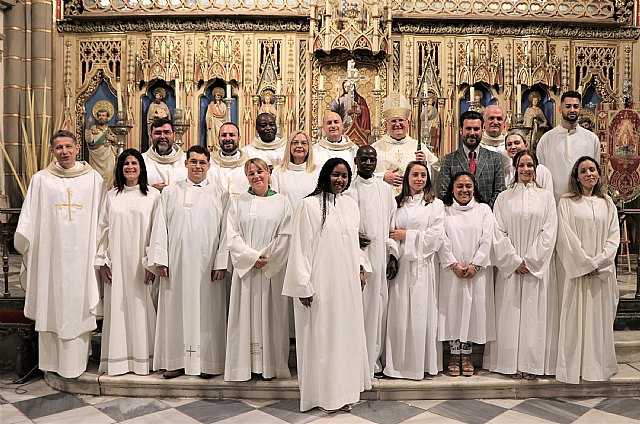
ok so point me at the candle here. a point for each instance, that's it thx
(321, 82)
(228, 91)
(278, 86)
(518, 98)
(425, 87)
(119, 94)
(376, 83)
(177, 93)
(472, 94)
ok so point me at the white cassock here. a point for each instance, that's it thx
(56, 235)
(228, 172)
(258, 328)
(526, 305)
(168, 169)
(189, 236)
(325, 150)
(272, 153)
(295, 182)
(396, 154)
(377, 204)
(558, 150)
(129, 325)
(412, 348)
(588, 239)
(543, 177)
(330, 338)
(466, 308)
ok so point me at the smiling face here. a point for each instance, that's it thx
(463, 189)
(514, 144)
(570, 110)
(197, 166)
(338, 179)
(65, 150)
(299, 149)
(266, 127)
(366, 161)
(333, 127)
(131, 170)
(418, 178)
(258, 179)
(397, 127)
(526, 169)
(494, 121)
(588, 176)
(162, 138)
(228, 139)
(471, 133)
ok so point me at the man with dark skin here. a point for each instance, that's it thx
(267, 145)
(376, 202)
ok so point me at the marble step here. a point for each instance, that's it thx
(483, 385)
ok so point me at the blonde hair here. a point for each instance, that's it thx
(286, 160)
(260, 164)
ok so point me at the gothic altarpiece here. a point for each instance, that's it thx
(237, 59)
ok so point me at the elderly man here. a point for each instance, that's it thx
(396, 149)
(266, 146)
(334, 144)
(559, 148)
(494, 133)
(164, 160)
(228, 161)
(56, 235)
(484, 164)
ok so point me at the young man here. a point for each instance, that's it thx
(228, 166)
(188, 251)
(559, 148)
(56, 235)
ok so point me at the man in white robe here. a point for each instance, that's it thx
(56, 235)
(376, 202)
(334, 144)
(188, 251)
(164, 160)
(228, 161)
(559, 148)
(494, 134)
(396, 148)
(266, 146)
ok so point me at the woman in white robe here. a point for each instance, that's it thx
(325, 280)
(588, 239)
(526, 295)
(466, 311)
(411, 347)
(258, 231)
(124, 228)
(515, 141)
(297, 176)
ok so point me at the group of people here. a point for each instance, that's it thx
(382, 253)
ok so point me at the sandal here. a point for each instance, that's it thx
(467, 366)
(454, 365)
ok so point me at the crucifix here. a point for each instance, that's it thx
(69, 205)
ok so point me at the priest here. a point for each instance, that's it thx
(56, 235)
(188, 251)
(376, 202)
(267, 145)
(164, 160)
(334, 144)
(228, 161)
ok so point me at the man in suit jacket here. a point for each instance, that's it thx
(472, 157)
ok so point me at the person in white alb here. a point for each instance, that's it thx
(267, 145)
(559, 148)
(164, 160)
(228, 161)
(516, 141)
(334, 144)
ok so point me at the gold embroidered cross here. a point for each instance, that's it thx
(190, 351)
(69, 205)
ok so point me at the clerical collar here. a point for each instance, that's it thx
(174, 156)
(492, 141)
(234, 161)
(275, 144)
(270, 192)
(344, 143)
(396, 140)
(80, 168)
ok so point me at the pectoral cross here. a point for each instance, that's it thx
(69, 205)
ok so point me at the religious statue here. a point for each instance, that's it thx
(267, 103)
(534, 119)
(477, 97)
(100, 139)
(342, 106)
(431, 122)
(158, 108)
(215, 117)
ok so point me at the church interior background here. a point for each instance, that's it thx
(207, 61)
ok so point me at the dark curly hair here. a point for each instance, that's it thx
(324, 182)
(447, 199)
(119, 171)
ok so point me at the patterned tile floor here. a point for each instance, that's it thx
(36, 402)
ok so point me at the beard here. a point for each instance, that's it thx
(570, 119)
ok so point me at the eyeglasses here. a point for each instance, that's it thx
(299, 143)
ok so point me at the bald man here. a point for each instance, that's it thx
(334, 144)
(494, 133)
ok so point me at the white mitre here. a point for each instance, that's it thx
(396, 106)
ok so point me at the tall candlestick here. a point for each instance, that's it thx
(321, 82)
(119, 94)
(376, 83)
(278, 86)
(177, 93)
(472, 94)
(228, 91)
(518, 98)
(425, 87)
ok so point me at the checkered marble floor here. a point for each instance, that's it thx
(36, 402)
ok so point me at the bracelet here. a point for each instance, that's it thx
(477, 268)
